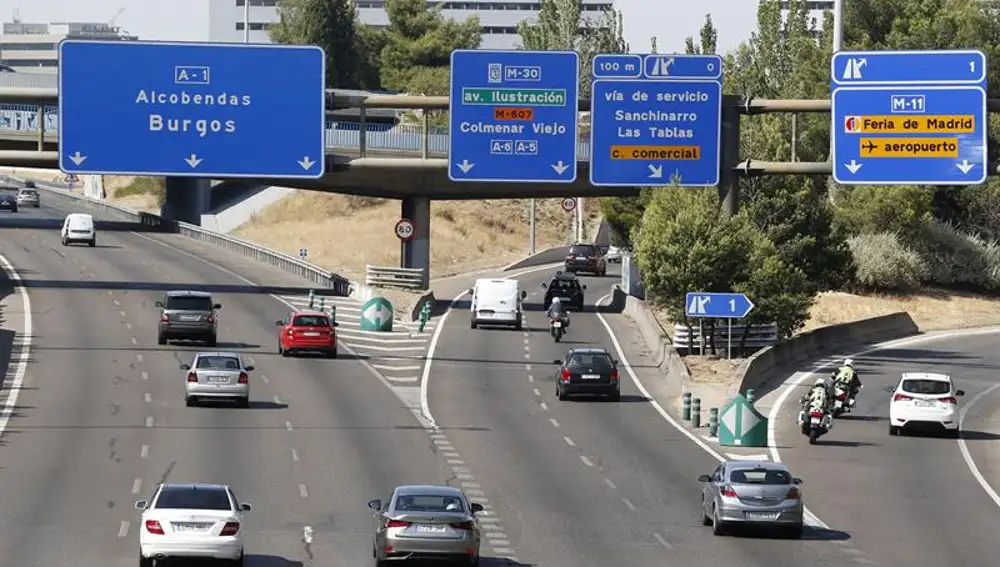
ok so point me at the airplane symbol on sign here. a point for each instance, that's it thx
(870, 147)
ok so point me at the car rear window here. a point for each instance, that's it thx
(310, 321)
(429, 503)
(598, 361)
(760, 476)
(193, 499)
(932, 387)
(582, 250)
(218, 362)
(189, 303)
(564, 284)
(29, 192)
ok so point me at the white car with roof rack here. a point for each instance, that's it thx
(924, 400)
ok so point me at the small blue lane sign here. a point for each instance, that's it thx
(909, 118)
(513, 116)
(655, 119)
(192, 109)
(717, 305)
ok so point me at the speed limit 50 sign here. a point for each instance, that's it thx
(404, 229)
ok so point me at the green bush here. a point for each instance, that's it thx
(883, 262)
(868, 209)
(959, 260)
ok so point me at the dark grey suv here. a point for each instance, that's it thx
(187, 316)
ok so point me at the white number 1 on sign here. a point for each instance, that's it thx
(732, 305)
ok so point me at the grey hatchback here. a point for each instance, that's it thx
(752, 493)
(187, 316)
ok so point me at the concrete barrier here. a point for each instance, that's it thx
(824, 341)
(665, 356)
(550, 256)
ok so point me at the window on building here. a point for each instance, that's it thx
(242, 3)
(28, 47)
(254, 26)
(31, 62)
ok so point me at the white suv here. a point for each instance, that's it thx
(191, 520)
(924, 400)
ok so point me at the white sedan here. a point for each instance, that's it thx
(924, 400)
(191, 521)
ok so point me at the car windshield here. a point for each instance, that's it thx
(189, 303)
(218, 362)
(760, 476)
(594, 361)
(310, 321)
(933, 387)
(429, 503)
(178, 498)
(582, 250)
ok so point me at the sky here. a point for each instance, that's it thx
(187, 20)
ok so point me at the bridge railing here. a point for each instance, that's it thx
(402, 278)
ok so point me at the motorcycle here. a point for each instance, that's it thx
(556, 328)
(843, 401)
(815, 424)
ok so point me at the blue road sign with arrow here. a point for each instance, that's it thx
(909, 118)
(717, 305)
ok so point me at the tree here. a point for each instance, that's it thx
(560, 28)
(623, 214)
(416, 55)
(782, 294)
(330, 24)
(371, 42)
(709, 39)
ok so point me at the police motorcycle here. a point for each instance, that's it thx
(843, 400)
(815, 419)
(559, 322)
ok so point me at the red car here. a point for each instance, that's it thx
(307, 331)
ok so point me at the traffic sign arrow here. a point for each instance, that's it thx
(560, 167)
(655, 171)
(306, 163)
(853, 166)
(965, 166)
(193, 161)
(375, 314)
(718, 305)
(77, 158)
(465, 166)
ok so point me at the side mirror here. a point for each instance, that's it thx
(250, 368)
(796, 481)
(217, 306)
(584, 287)
(476, 507)
(246, 507)
(524, 294)
(279, 323)
(375, 504)
(704, 478)
(472, 291)
(544, 286)
(559, 362)
(959, 392)
(335, 324)
(140, 504)
(185, 367)
(159, 304)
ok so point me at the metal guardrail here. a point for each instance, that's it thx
(404, 278)
(759, 336)
(312, 272)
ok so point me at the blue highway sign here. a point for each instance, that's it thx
(717, 305)
(192, 109)
(661, 127)
(513, 116)
(896, 124)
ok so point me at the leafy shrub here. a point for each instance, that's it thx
(866, 209)
(883, 262)
(957, 259)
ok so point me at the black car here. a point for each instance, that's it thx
(586, 258)
(8, 202)
(567, 288)
(588, 371)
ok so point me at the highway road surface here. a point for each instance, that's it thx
(102, 420)
(909, 500)
(583, 482)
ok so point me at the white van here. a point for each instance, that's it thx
(497, 302)
(79, 227)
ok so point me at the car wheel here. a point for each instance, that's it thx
(161, 340)
(615, 397)
(189, 402)
(64, 243)
(284, 352)
(519, 325)
(718, 528)
(93, 242)
(281, 351)
(705, 520)
(796, 532)
(893, 430)
(145, 561)
(561, 394)
(245, 403)
(954, 434)
(239, 561)
(212, 341)
(474, 562)
(472, 324)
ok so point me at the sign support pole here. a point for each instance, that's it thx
(531, 229)
(701, 337)
(729, 182)
(729, 340)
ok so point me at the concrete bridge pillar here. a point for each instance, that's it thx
(416, 252)
(187, 199)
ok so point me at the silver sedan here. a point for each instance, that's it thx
(752, 493)
(217, 376)
(426, 523)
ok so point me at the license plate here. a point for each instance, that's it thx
(218, 379)
(311, 334)
(591, 376)
(581, 257)
(557, 324)
(189, 317)
(761, 516)
(190, 527)
(815, 421)
(920, 404)
(430, 529)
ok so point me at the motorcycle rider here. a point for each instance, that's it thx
(817, 398)
(558, 311)
(847, 377)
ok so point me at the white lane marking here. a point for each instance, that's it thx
(385, 349)
(123, 528)
(527, 367)
(536, 392)
(664, 414)
(531, 378)
(400, 368)
(403, 378)
(138, 357)
(553, 421)
(966, 456)
(122, 313)
(144, 452)
(303, 492)
(135, 341)
(145, 375)
(586, 461)
(544, 406)
(277, 400)
(25, 354)
(525, 342)
(149, 421)
(662, 541)
(628, 504)
(288, 425)
(569, 441)
(295, 455)
(794, 382)
(758, 457)
(526, 355)
(136, 486)
(456, 462)
(471, 485)
(610, 484)
(148, 398)
(128, 325)
(115, 301)
(503, 550)
(264, 379)
(451, 454)
(461, 470)
(385, 341)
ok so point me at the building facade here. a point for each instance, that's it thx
(816, 10)
(497, 19)
(35, 47)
